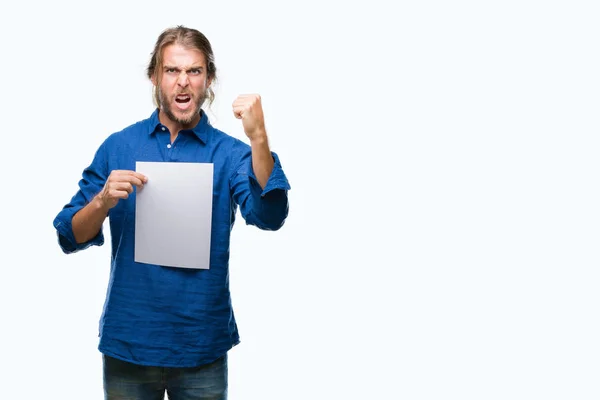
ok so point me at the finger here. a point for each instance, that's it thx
(136, 179)
(141, 177)
(252, 96)
(120, 187)
(118, 194)
(139, 182)
(238, 112)
(243, 104)
(239, 102)
(118, 174)
(246, 99)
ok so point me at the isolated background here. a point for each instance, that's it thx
(443, 233)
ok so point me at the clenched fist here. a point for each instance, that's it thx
(248, 108)
(119, 185)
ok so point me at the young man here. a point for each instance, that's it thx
(166, 328)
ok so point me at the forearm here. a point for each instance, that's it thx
(88, 221)
(262, 205)
(262, 160)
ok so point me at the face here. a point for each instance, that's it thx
(183, 84)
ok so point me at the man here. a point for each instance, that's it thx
(166, 328)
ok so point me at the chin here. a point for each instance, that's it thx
(186, 116)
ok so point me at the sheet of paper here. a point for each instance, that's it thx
(173, 214)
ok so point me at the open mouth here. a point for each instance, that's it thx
(183, 102)
(183, 98)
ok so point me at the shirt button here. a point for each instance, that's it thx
(169, 146)
(163, 128)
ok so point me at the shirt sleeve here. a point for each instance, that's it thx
(265, 208)
(90, 184)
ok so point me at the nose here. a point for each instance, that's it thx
(182, 80)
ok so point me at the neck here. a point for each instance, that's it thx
(175, 126)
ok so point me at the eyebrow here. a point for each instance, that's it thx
(177, 68)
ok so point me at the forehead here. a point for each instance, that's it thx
(180, 56)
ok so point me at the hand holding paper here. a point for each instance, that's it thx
(119, 185)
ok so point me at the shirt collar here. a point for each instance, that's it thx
(200, 130)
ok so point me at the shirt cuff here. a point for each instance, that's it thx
(64, 231)
(277, 179)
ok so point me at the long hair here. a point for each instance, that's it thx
(188, 38)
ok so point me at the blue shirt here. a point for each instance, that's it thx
(166, 316)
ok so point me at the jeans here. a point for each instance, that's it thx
(126, 381)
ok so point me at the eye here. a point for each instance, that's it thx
(170, 70)
(195, 71)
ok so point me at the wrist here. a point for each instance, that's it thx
(99, 204)
(259, 139)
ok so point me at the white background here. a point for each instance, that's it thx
(443, 234)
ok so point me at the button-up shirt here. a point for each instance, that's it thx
(168, 316)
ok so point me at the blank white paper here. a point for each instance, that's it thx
(173, 214)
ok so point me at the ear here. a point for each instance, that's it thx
(153, 79)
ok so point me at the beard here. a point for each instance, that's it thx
(186, 117)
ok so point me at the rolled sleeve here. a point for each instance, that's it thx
(277, 179)
(92, 181)
(265, 208)
(64, 231)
